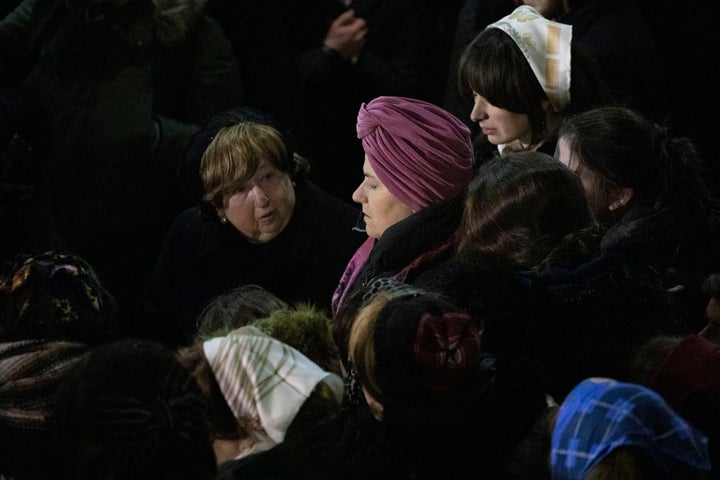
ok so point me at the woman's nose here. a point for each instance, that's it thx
(358, 195)
(479, 110)
(259, 196)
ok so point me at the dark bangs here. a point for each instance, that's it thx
(494, 67)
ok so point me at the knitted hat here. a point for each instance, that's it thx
(31, 372)
(428, 364)
(546, 46)
(307, 329)
(55, 296)
(419, 151)
(420, 358)
(600, 415)
(423, 345)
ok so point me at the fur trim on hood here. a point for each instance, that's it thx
(176, 19)
(307, 329)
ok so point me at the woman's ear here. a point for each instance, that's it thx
(553, 119)
(620, 198)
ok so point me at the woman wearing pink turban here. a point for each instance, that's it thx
(418, 157)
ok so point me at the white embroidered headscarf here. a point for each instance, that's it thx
(546, 46)
(265, 380)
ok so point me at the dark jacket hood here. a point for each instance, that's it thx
(174, 19)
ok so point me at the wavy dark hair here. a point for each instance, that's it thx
(523, 211)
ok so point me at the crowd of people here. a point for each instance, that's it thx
(405, 239)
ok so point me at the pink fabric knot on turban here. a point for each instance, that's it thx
(419, 151)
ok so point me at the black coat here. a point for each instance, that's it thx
(616, 34)
(401, 57)
(475, 443)
(341, 447)
(116, 96)
(413, 246)
(202, 258)
(578, 317)
(678, 241)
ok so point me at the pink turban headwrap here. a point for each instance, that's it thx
(420, 152)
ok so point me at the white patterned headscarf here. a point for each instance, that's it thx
(546, 46)
(265, 380)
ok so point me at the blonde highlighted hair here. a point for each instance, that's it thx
(361, 345)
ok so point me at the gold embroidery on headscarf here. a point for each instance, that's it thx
(553, 40)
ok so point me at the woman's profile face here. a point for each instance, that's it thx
(261, 208)
(596, 199)
(381, 209)
(498, 125)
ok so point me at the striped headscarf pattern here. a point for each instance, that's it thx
(265, 380)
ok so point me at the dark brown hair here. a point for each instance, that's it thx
(624, 149)
(493, 66)
(520, 209)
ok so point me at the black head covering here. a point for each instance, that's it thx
(189, 181)
(132, 411)
(55, 296)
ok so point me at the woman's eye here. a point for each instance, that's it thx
(270, 179)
